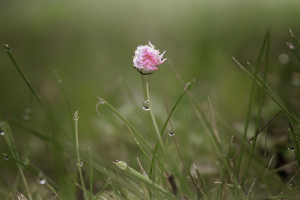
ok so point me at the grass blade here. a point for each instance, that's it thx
(259, 112)
(78, 155)
(250, 104)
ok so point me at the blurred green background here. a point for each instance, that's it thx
(91, 44)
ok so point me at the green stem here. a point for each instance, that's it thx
(78, 155)
(250, 106)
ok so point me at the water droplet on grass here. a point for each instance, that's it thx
(171, 132)
(109, 180)
(81, 163)
(290, 145)
(1, 132)
(58, 77)
(7, 48)
(76, 117)
(6, 157)
(42, 181)
(146, 105)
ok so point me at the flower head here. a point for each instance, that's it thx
(147, 58)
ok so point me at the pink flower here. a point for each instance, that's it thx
(146, 59)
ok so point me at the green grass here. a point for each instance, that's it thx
(200, 164)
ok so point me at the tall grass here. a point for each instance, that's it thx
(172, 174)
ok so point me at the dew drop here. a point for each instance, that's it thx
(171, 132)
(81, 163)
(6, 157)
(76, 117)
(58, 77)
(251, 141)
(146, 105)
(109, 180)
(7, 48)
(42, 181)
(101, 101)
(1, 132)
(290, 145)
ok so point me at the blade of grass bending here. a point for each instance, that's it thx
(160, 142)
(138, 176)
(124, 120)
(78, 155)
(250, 104)
(8, 50)
(12, 147)
(259, 111)
(177, 148)
(188, 86)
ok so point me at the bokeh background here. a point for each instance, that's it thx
(91, 45)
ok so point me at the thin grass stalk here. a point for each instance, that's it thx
(260, 130)
(33, 171)
(78, 155)
(166, 123)
(160, 142)
(142, 149)
(8, 50)
(259, 112)
(12, 147)
(224, 170)
(292, 136)
(207, 192)
(270, 92)
(250, 105)
(215, 142)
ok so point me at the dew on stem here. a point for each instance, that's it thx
(81, 164)
(7, 47)
(171, 132)
(146, 105)
(76, 117)
(59, 80)
(290, 145)
(26, 114)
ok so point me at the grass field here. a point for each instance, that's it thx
(71, 108)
